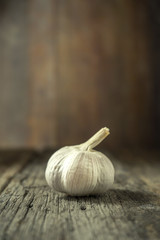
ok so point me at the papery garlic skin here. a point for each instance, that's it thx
(79, 170)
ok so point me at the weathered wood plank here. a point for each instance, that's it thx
(14, 105)
(134, 52)
(29, 209)
(72, 67)
(43, 73)
(11, 162)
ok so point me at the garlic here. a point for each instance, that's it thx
(79, 170)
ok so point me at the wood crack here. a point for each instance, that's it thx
(14, 216)
(22, 162)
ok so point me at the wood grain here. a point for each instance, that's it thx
(154, 7)
(70, 68)
(14, 129)
(29, 209)
(11, 162)
(43, 74)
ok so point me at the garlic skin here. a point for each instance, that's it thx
(79, 170)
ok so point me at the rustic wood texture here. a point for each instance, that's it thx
(154, 7)
(43, 75)
(9, 165)
(14, 88)
(73, 67)
(29, 209)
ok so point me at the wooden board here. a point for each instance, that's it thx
(29, 209)
(71, 67)
(11, 162)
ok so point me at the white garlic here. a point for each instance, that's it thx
(79, 170)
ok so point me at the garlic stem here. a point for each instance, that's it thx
(96, 139)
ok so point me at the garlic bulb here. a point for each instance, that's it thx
(79, 170)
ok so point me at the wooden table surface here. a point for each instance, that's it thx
(29, 209)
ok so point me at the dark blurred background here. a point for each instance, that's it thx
(68, 68)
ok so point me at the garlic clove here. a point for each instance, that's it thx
(79, 176)
(79, 170)
(105, 174)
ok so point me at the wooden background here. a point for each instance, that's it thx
(68, 68)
